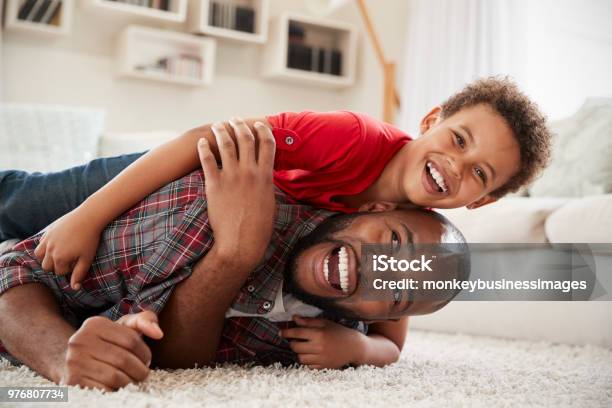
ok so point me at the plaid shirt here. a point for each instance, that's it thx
(148, 250)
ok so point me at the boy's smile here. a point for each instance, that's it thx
(458, 161)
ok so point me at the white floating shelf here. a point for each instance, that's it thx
(140, 48)
(177, 12)
(59, 25)
(320, 33)
(200, 19)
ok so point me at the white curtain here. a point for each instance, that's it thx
(452, 42)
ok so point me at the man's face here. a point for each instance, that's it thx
(461, 159)
(336, 247)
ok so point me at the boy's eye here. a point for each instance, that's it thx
(395, 241)
(481, 174)
(460, 140)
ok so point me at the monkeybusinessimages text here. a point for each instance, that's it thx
(387, 265)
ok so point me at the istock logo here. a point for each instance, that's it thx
(384, 263)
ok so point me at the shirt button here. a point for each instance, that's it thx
(267, 305)
(289, 140)
(251, 288)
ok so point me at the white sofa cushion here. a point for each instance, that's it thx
(588, 219)
(581, 162)
(510, 220)
(48, 137)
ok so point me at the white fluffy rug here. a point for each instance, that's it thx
(436, 370)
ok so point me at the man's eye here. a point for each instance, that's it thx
(397, 297)
(481, 174)
(395, 242)
(460, 140)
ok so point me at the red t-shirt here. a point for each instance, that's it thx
(322, 155)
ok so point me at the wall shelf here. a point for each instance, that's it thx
(201, 19)
(177, 12)
(59, 21)
(167, 56)
(323, 51)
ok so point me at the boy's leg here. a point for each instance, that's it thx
(31, 201)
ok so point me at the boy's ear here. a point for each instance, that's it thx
(430, 119)
(378, 206)
(481, 201)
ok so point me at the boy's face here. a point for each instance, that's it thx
(460, 160)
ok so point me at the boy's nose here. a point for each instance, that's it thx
(453, 167)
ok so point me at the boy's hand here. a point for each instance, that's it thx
(321, 343)
(69, 245)
(240, 195)
(109, 355)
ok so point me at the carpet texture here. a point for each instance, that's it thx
(436, 370)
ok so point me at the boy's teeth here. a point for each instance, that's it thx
(437, 176)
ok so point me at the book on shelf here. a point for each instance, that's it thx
(184, 65)
(165, 5)
(40, 11)
(314, 59)
(231, 16)
(52, 12)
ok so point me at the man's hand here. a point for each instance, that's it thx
(240, 194)
(69, 245)
(109, 355)
(321, 343)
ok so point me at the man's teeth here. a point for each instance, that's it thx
(342, 269)
(437, 177)
(326, 269)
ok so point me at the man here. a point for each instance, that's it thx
(145, 262)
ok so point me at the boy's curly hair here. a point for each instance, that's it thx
(523, 116)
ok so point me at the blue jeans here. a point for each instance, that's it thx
(31, 201)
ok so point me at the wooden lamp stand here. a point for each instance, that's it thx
(391, 100)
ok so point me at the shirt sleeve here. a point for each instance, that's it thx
(18, 266)
(315, 140)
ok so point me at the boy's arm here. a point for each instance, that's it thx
(70, 243)
(321, 343)
(384, 342)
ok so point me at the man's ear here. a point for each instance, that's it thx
(430, 119)
(481, 201)
(378, 206)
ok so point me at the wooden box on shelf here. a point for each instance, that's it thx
(156, 10)
(163, 55)
(311, 51)
(238, 20)
(46, 17)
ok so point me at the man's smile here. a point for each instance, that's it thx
(335, 270)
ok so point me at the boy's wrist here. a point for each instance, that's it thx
(94, 213)
(360, 349)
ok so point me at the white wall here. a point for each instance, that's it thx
(78, 70)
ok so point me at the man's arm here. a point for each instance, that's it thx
(33, 330)
(100, 354)
(240, 211)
